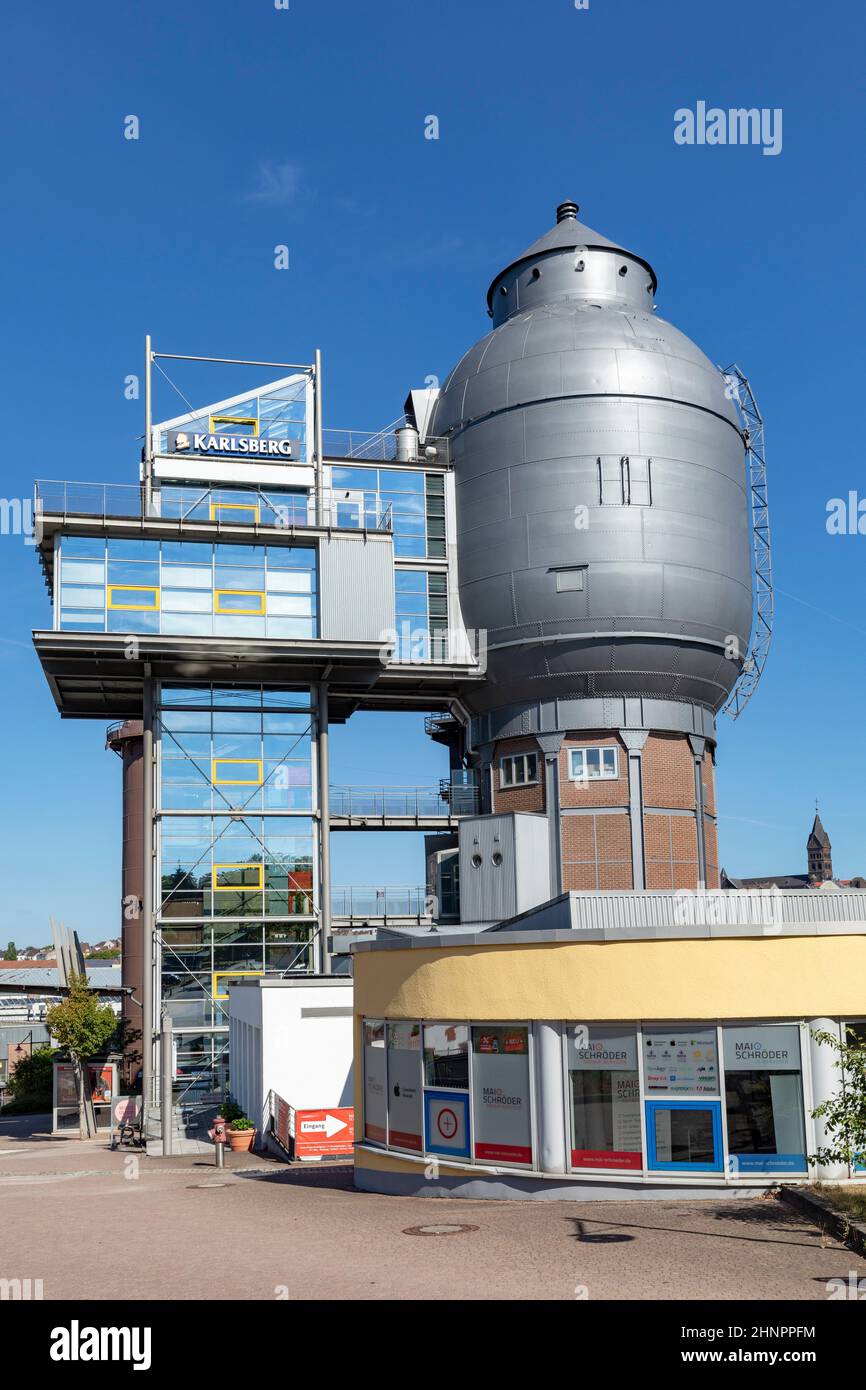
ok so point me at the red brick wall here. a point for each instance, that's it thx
(596, 852)
(669, 772)
(600, 792)
(596, 849)
(528, 798)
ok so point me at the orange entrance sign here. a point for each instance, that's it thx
(321, 1133)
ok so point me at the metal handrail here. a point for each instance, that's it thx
(445, 800)
(105, 501)
(380, 902)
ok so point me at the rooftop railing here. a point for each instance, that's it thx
(382, 447)
(125, 501)
(362, 902)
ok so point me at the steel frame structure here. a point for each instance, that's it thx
(762, 556)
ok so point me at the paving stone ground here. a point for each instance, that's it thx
(95, 1224)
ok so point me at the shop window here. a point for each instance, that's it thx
(404, 1087)
(764, 1099)
(244, 602)
(604, 1096)
(135, 597)
(446, 1055)
(518, 770)
(501, 1100)
(681, 1061)
(593, 764)
(375, 1082)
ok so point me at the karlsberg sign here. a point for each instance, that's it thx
(245, 445)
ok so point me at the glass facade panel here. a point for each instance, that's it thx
(230, 874)
(187, 587)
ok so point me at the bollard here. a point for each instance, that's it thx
(218, 1135)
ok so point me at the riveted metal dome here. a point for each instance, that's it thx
(603, 526)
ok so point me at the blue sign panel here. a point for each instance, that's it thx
(446, 1123)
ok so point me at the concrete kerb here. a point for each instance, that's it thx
(819, 1209)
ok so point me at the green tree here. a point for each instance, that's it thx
(11, 952)
(31, 1082)
(844, 1114)
(81, 1026)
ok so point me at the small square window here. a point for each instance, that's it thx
(593, 764)
(518, 770)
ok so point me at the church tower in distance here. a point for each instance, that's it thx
(820, 852)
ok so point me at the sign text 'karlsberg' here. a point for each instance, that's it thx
(190, 442)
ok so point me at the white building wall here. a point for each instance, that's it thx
(293, 1037)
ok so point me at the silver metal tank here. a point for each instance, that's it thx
(603, 523)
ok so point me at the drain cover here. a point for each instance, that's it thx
(438, 1230)
(191, 1186)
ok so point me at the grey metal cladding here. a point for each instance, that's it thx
(578, 368)
(356, 582)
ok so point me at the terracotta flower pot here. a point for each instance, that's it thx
(240, 1140)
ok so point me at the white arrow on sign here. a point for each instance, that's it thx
(333, 1125)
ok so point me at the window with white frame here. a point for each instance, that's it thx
(518, 769)
(592, 764)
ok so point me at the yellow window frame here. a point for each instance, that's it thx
(234, 420)
(231, 974)
(234, 507)
(240, 612)
(135, 588)
(236, 781)
(237, 887)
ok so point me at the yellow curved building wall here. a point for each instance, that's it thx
(752, 978)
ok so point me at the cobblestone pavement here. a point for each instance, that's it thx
(95, 1224)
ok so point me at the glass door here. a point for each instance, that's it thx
(684, 1136)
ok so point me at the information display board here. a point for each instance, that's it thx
(682, 1062)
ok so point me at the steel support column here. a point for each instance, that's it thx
(634, 740)
(323, 766)
(147, 963)
(550, 745)
(317, 443)
(698, 745)
(166, 1058)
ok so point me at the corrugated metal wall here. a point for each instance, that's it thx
(356, 579)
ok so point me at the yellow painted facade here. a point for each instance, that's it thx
(727, 977)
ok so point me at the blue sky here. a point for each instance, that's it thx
(305, 127)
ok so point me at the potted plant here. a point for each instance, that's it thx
(241, 1133)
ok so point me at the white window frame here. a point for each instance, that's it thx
(508, 783)
(584, 775)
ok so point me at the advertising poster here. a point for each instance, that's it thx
(101, 1083)
(682, 1062)
(375, 1095)
(500, 1081)
(404, 1086)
